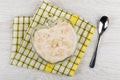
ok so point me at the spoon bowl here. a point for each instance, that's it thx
(103, 25)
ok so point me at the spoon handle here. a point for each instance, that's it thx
(92, 63)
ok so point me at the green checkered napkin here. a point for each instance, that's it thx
(23, 53)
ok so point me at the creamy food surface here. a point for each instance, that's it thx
(56, 43)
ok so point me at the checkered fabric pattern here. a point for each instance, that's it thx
(23, 53)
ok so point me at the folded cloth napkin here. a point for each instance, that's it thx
(23, 53)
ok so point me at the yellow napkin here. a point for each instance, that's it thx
(23, 53)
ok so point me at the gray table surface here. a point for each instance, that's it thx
(108, 59)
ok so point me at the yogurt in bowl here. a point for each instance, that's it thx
(55, 43)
